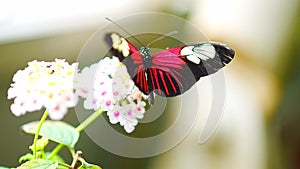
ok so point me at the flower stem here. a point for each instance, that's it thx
(36, 136)
(55, 151)
(79, 128)
(89, 120)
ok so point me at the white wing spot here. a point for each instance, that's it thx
(198, 53)
(205, 51)
(120, 44)
(187, 51)
(193, 59)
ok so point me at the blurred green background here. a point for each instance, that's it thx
(259, 129)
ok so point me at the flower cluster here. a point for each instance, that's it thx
(106, 85)
(44, 84)
(57, 86)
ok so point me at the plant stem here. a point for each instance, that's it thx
(64, 165)
(55, 151)
(89, 120)
(79, 128)
(36, 136)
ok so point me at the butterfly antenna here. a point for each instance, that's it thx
(162, 37)
(124, 30)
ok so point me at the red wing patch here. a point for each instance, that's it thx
(170, 73)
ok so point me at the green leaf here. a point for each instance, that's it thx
(25, 157)
(39, 164)
(56, 131)
(62, 167)
(90, 166)
(4, 167)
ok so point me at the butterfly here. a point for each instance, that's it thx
(170, 72)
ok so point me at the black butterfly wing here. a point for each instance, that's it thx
(120, 47)
(176, 70)
(207, 58)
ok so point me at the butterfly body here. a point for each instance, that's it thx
(173, 71)
(147, 58)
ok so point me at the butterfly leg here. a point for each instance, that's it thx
(151, 98)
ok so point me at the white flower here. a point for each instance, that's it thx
(44, 84)
(108, 86)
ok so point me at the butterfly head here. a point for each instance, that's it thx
(145, 52)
